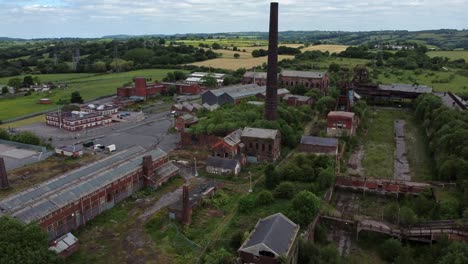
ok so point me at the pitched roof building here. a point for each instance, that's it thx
(217, 165)
(263, 144)
(272, 237)
(319, 145)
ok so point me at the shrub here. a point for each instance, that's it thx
(246, 203)
(264, 197)
(391, 212)
(390, 249)
(284, 191)
(407, 216)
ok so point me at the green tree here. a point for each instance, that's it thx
(390, 249)
(284, 190)
(161, 41)
(28, 81)
(272, 177)
(390, 212)
(457, 254)
(305, 206)
(216, 46)
(209, 81)
(26, 137)
(247, 203)
(325, 104)
(4, 90)
(407, 216)
(21, 243)
(236, 55)
(15, 83)
(76, 98)
(4, 134)
(264, 198)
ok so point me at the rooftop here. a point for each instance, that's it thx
(275, 233)
(259, 75)
(259, 133)
(298, 97)
(224, 163)
(71, 148)
(320, 141)
(233, 138)
(74, 116)
(405, 88)
(341, 114)
(43, 199)
(303, 74)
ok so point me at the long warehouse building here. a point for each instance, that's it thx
(62, 204)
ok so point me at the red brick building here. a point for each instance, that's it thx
(319, 145)
(263, 144)
(297, 100)
(75, 120)
(287, 78)
(104, 110)
(64, 203)
(185, 121)
(341, 123)
(184, 88)
(141, 89)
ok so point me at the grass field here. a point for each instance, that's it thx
(379, 146)
(231, 42)
(452, 55)
(324, 48)
(24, 122)
(89, 85)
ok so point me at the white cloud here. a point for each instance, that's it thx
(54, 18)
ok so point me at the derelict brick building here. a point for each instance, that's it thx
(62, 204)
(264, 144)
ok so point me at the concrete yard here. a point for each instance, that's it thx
(17, 157)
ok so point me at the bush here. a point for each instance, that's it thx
(390, 213)
(264, 197)
(407, 216)
(236, 240)
(390, 249)
(284, 191)
(305, 206)
(246, 203)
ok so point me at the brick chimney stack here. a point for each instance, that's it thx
(271, 101)
(3, 175)
(148, 166)
(186, 210)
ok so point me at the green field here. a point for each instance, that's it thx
(379, 146)
(231, 42)
(89, 85)
(452, 55)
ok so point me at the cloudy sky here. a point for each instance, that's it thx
(95, 18)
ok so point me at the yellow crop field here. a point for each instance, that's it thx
(329, 48)
(234, 64)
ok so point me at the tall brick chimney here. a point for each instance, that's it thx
(3, 175)
(140, 86)
(186, 210)
(148, 166)
(271, 101)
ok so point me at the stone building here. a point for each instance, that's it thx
(319, 145)
(263, 144)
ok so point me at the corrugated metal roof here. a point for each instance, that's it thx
(224, 163)
(41, 200)
(302, 74)
(405, 88)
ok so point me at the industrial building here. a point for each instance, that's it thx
(319, 145)
(262, 144)
(198, 78)
(74, 151)
(287, 78)
(104, 110)
(76, 120)
(64, 203)
(223, 166)
(141, 89)
(234, 94)
(297, 100)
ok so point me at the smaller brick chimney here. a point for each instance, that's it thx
(148, 166)
(3, 175)
(186, 210)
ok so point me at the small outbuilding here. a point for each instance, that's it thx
(341, 123)
(45, 101)
(74, 151)
(217, 165)
(65, 245)
(273, 237)
(319, 145)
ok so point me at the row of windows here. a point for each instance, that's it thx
(257, 146)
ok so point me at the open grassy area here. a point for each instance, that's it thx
(90, 86)
(231, 42)
(453, 55)
(379, 146)
(24, 122)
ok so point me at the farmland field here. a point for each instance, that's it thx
(324, 48)
(234, 64)
(452, 55)
(90, 86)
